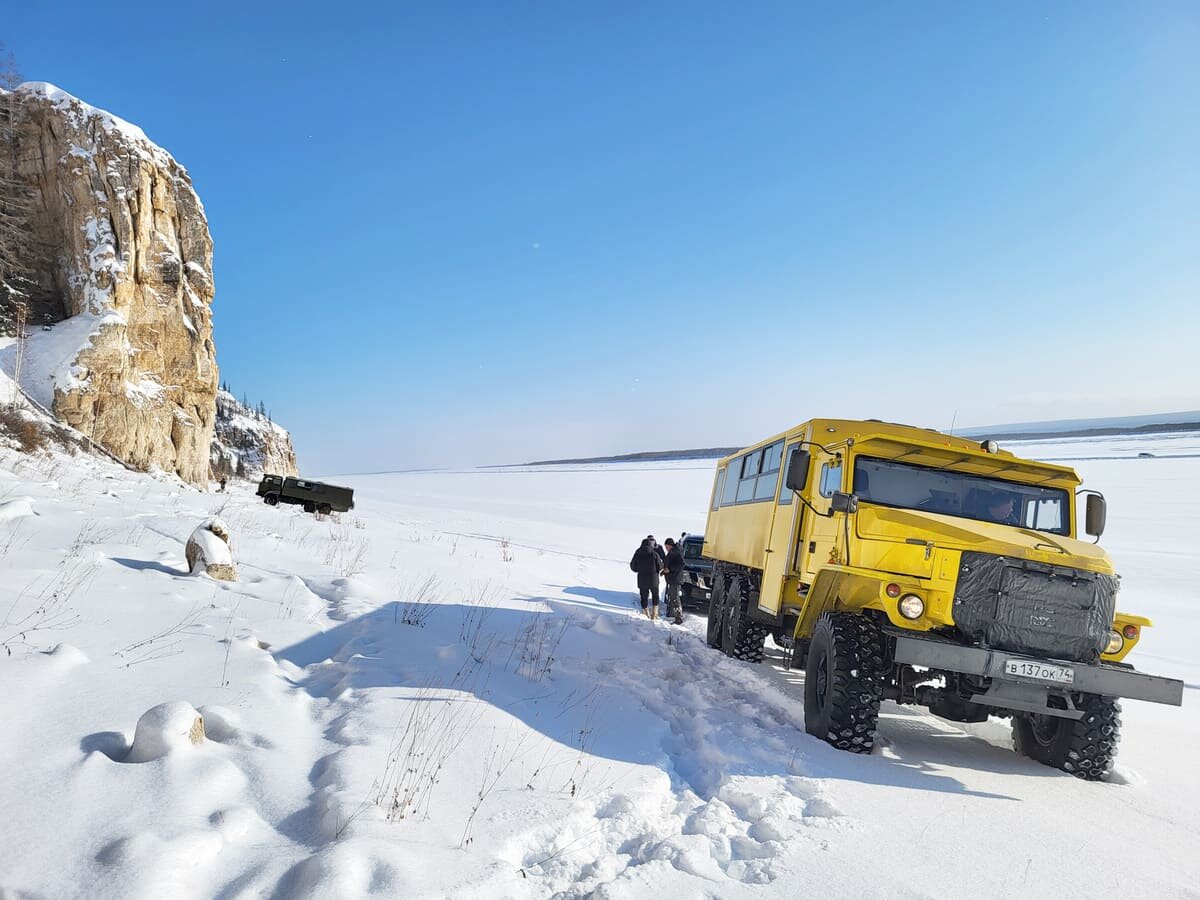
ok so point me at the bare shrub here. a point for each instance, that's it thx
(23, 429)
(417, 604)
(161, 644)
(347, 555)
(535, 645)
(475, 614)
(498, 761)
(424, 742)
(49, 605)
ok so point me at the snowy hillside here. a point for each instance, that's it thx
(246, 443)
(448, 694)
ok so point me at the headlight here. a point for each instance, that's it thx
(911, 606)
(1115, 642)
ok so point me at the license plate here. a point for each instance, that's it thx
(1024, 668)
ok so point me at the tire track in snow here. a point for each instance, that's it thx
(732, 799)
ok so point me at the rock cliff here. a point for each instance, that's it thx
(120, 338)
(247, 443)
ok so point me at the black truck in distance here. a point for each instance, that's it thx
(314, 496)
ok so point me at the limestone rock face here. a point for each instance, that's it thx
(247, 444)
(121, 341)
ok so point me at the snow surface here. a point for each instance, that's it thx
(49, 361)
(450, 695)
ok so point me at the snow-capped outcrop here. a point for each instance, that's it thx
(120, 338)
(247, 443)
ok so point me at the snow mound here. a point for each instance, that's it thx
(166, 728)
(16, 509)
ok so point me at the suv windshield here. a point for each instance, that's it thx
(889, 483)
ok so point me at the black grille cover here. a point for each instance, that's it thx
(1032, 607)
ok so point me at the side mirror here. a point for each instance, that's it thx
(797, 470)
(1097, 513)
(843, 503)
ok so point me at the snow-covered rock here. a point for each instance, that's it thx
(209, 551)
(247, 443)
(166, 728)
(124, 270)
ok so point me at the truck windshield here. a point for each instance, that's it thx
(903, 485)
(692, 549)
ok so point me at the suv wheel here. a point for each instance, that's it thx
(1084, 747)
(843, 682)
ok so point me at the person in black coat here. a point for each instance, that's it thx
(673, 570)
(662, 554)
(647, 565)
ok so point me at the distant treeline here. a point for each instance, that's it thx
(719, 452)
(1102, 431)
(646, 456)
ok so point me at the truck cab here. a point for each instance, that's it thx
(939, 570)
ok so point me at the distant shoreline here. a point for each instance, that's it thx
(980, 434)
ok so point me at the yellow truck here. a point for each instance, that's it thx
(905, 564)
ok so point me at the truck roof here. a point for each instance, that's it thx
(919, 445)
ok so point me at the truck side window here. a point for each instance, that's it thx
(831, 478)
(729, 490)
(750, 469)
(718, 487)
(769, 479)
(785, 496)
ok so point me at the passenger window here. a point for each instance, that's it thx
(718, 487)
(765, 490)
(785, 496)
(751, 466)
(729, 491)
(831, 478)
(771, 457)
(746, 489)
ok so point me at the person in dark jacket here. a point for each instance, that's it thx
(647, 565)
(674, 574)
(662, 554)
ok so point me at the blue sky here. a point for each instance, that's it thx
(488, 232)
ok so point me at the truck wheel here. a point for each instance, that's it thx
(271, 499)
(843, 682)
(324, 509)
(741, 636)
(309, 506)
(1084, 747)
(715, 612)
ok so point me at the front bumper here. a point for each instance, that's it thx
(1013, 692)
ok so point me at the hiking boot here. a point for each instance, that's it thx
(678, 619)
(654, 611)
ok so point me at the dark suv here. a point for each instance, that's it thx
(696, 587)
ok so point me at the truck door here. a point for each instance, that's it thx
(785, 525)
(822, 533)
